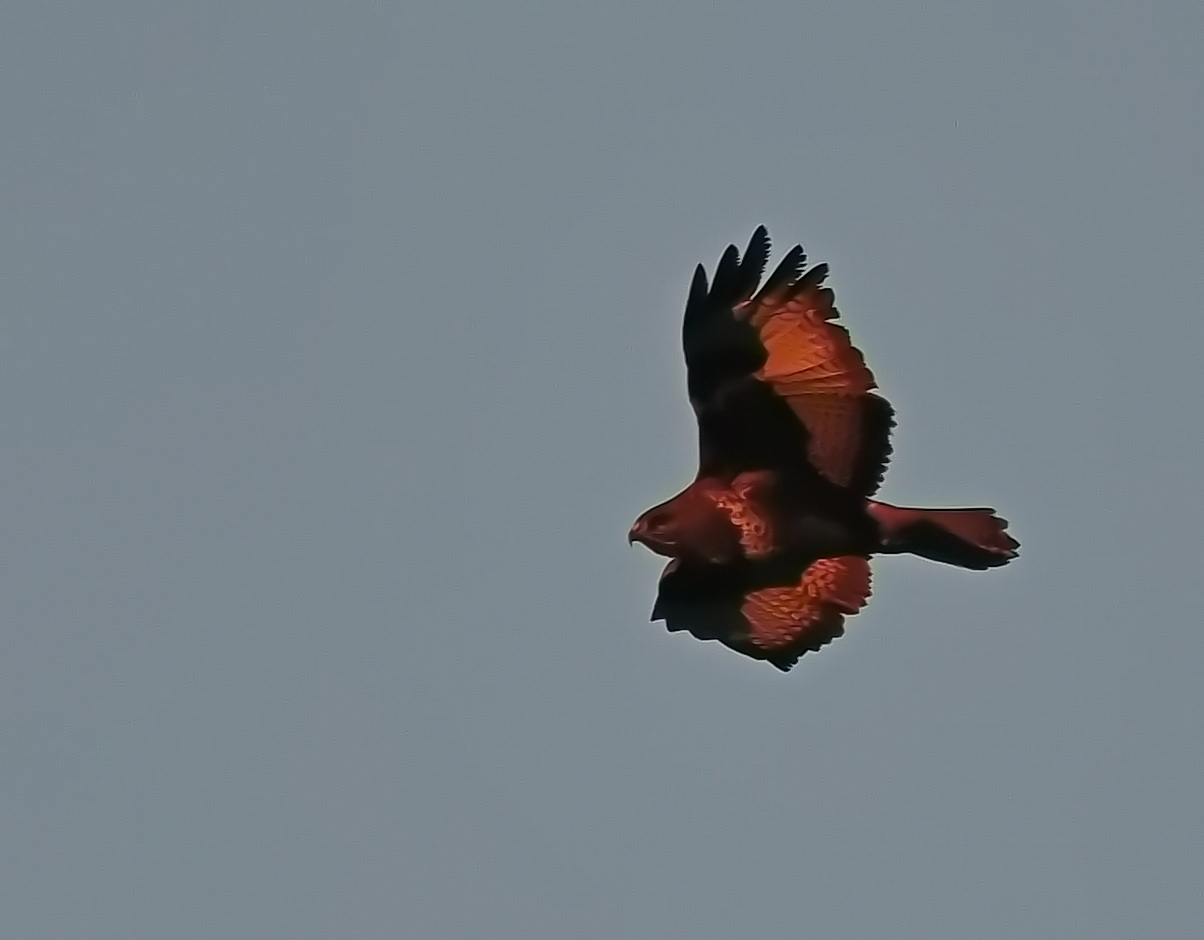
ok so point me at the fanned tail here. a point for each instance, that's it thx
(968, 538)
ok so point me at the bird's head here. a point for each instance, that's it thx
(687, 526)
(659, 529)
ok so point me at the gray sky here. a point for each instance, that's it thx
(340, 350)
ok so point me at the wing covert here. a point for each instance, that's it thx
(786, 622)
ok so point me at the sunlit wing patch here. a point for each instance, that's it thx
(815, 368)
(807, 352)
(786, 622)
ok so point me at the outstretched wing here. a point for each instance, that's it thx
(778, 623)
(786, 622)
(812, 364)
(771, 363)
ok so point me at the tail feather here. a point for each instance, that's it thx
(968, 538)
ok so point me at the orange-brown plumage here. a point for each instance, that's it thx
(791, 620)
(769, 544)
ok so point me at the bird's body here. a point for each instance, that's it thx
(769, 544)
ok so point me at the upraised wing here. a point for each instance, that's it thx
(776, 624)
(774, 380)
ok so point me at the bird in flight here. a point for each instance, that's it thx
(769, 546)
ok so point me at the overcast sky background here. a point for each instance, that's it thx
(340, 348)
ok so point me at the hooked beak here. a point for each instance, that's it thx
(640, 533)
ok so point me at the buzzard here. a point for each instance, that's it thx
(769, 546)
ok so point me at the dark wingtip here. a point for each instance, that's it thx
(786, 273)
(698, 286)
(755, 258)
(758, 249)
(816, 276)
(727, 275)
